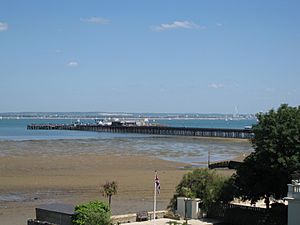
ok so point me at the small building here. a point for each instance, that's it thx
(129, 123)
(60, 214)
(189, 208)
(116, 123)
(293, 198)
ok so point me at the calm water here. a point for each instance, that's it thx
(15, 129)
(15, 139)
(208, 123)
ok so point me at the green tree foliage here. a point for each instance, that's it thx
(267, 171)
(92, 213)
(204, 184)
(109, 189)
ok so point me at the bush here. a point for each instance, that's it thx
(206, 185)
(92, 213)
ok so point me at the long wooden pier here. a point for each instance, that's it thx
(155, 130)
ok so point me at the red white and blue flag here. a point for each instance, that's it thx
(157, 183)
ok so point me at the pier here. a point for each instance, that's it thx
(154, 130)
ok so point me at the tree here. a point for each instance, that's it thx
(267, 171)
(200, 183)
(92, 213)
(109, 189)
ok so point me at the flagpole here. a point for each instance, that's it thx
(154, 205)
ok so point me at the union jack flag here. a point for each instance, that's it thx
(157, 184)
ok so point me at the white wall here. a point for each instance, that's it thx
(294, 212)
(181, 206)
(192, 206)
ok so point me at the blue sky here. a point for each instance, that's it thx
(149, 56)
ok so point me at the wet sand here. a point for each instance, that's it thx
(36, 173)
(28, 181)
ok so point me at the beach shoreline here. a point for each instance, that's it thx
(28, 181)
(38, 172)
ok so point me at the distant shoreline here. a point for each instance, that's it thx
(124, 115)
(133, 118)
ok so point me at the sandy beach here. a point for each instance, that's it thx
(39, 172)
(28, 181)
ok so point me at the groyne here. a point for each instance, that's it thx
(154, 130)
(225, 164)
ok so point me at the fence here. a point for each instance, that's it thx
(247, 215)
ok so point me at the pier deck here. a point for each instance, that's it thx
(155, 130)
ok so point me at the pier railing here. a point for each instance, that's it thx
(155, 130)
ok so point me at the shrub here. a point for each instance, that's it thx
(92, 213)
(206, 185)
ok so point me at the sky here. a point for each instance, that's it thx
(197, 56)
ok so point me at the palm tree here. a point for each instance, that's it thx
(109, 189)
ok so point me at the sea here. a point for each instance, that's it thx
(13, 132)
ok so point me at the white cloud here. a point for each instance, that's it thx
(97, 20)
(216, 86)
(219, 24)
(177, 25)
(3, 26)
(72, 64)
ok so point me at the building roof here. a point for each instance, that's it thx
(58, 207)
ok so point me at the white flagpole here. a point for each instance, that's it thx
(154, 205)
